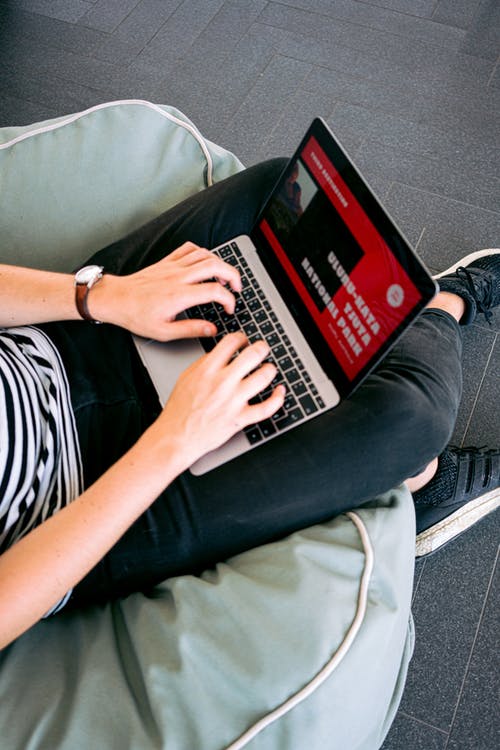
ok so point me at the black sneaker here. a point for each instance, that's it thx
(465, 488)
(475, 278)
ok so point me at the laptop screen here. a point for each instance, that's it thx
(347, 274)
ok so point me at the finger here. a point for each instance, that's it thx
(265, 409)
(258, 380)
(187, 329)
(248, 360)
(210, 266)
(227, 347)
(201, 294)
(187, 248)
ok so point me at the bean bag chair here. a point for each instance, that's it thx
(303, 643)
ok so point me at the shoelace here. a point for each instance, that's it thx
(483, 304)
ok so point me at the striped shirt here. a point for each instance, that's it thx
(40, 463)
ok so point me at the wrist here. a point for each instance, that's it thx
(103, 300)
(168, 453)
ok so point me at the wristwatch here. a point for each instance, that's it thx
(85, 279)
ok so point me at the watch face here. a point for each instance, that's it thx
(87, 274)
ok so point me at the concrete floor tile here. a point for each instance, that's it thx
(249, 128)
(422, 8)
(477, 353)
(379, 19)
(433, 174)
(484, 425)
(483, 35)
(447, 614)
(452, 228)
(63, 10)
(475, 726)
(408, 733)
(456, 12)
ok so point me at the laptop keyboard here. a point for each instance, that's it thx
(255, 316)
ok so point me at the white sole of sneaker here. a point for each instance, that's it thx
(467, 260)
(433, 538)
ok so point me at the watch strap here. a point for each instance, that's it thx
(82, 290)
(81, 295)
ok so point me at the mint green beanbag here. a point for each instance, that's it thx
(303, 643)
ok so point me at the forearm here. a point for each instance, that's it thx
(29, 296)
(37, 571)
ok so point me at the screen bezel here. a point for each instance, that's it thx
(385, 225)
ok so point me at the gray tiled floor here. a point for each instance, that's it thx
(412, 89)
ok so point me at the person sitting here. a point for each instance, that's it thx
(96, 499)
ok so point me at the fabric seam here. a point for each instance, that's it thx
(105, 105)
(337, 657)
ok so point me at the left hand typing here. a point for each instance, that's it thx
(147, 302)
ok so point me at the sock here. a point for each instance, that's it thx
(441, 485)
(456, 285)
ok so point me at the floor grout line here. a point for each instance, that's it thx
(478, 391)
(476, 634)
(424, 723)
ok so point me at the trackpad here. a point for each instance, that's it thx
(166, 361)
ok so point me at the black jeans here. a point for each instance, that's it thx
(390, 428)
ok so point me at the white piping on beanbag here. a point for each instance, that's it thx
(72, 118)
(337, 657)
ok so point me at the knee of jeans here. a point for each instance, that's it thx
(435, 412)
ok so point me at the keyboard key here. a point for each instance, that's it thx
(250, 328)
(207, 344)
(291, 418)
(292, 375)
(243, 317)
(266, 328)
(248, 293)
(211, 315)
(267, 428)
(260, 316)
(254, 304)
(299, 388)
(273, 339)
(253, 434)
(285, 363)
(279, 352)
(225, 252)
(279, 414)
(308, 404)
(240, 304)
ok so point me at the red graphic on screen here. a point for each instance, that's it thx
(372, 299)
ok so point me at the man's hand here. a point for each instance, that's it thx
(147, 302)
(209, 403)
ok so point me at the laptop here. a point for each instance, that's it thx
(328, 280)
